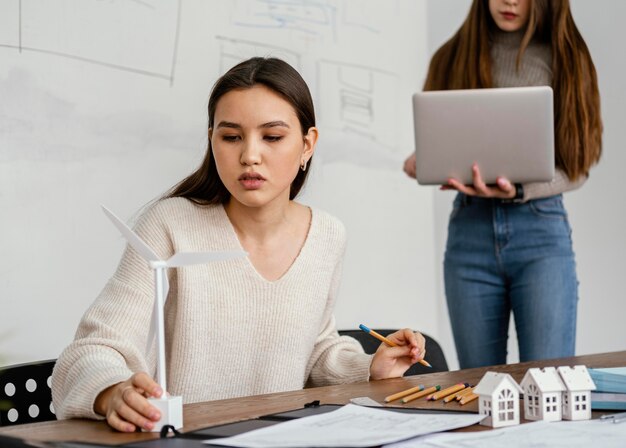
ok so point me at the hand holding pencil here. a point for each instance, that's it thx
(400, 351)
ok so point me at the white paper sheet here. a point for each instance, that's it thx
(349, 426)
(530, 435)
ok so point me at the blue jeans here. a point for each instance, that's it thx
(502, 257)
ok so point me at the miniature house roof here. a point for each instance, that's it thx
(492, 381)
(547, 379)
(576, 378)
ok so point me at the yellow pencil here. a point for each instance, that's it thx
(453, 396)
(381, 338)
(421, 394)
(404, 393)
(467, 398)
(447, 391)
(464, 392)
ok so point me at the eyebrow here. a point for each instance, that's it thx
(272, 124)
(269, 124)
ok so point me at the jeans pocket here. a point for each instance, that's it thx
(551, 207)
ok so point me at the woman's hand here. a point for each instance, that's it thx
(503, 189)
(392, 362)
(125, 405)
(410, 167)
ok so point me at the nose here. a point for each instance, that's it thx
(511, 2)
(250, 153)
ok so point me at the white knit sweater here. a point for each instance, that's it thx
(229, 332)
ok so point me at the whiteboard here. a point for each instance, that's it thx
(104, 102)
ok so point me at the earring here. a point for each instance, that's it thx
(303, 164)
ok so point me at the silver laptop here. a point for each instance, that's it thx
(508, 132)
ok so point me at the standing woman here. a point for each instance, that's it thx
(509, 245)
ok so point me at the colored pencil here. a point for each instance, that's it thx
(467, 398)
(454, 395)
(464, 392)
(381, 338)
(421, 394)
(447, 391)
(404, 393)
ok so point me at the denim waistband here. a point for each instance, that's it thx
(467, 200)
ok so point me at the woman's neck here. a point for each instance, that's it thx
(259, 223)
(508, 38)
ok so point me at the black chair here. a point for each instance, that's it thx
(25, 394)
(434, 353)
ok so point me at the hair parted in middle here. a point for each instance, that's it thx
(204, 185)
(464, 62)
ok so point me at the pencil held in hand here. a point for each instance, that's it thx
(390, 343)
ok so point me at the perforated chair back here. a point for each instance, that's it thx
(434, 353)
(25, 393)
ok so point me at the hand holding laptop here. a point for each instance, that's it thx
(508, 133)
(502, 189)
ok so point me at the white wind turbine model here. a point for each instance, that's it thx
(171, 407)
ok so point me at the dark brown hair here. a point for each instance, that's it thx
(204, 185)
(464, 62)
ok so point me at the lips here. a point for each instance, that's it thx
(508, 15)
(251, 181)
(251, 176)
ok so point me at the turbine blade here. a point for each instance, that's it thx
(190, 258)
(133, 239)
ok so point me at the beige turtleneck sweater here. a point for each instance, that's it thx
(535, 70)
(229, 332)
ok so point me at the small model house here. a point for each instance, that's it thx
(498, 399)
(543, 391)
(577, 397)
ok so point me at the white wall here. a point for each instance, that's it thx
(75, 133)
(597, 214)
(105, 103)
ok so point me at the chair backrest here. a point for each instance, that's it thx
(25, 393)
(434, 353)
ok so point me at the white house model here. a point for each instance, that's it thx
(498, 395)
(543, 391)
(577, 397)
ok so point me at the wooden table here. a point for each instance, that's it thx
(201, 415)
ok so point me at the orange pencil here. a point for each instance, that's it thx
(421, 394)
(453, 396)
(381, 338)
(404, 393)
(464, 392)
(466, 399)
(447, 391)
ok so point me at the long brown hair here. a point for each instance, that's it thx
(464, 62)
(204, 185)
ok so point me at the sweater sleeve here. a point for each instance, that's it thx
(560, 184)
(111, 340)
(336, 359)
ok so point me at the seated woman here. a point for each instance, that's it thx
(241, 327)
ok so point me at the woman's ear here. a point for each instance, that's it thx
(310, 140)
(210, 134)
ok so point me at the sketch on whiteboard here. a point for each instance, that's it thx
(312, 17)
(358, 102)
(232, 51)
(318, 18)
(139, 37)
